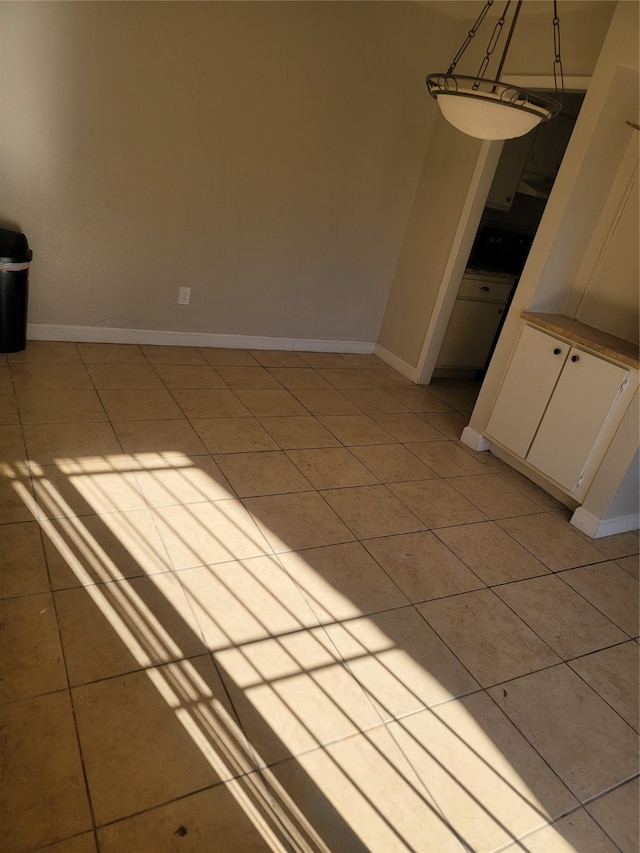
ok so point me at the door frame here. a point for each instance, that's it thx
(462, 243)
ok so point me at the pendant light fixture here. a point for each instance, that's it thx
(487, 108)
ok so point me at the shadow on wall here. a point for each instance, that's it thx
(9, 224)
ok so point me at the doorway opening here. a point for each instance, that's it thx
(523, 180)
(504, 206)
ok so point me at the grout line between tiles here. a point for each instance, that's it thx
(72, 706)
(322, 626)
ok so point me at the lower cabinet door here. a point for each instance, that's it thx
(526, 390)
(470, 334)
(586, 392)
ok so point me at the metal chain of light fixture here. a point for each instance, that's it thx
(470, 35)
(493, 41)
(509, 37)
(558, 75)
(488, 108)
(557, 63)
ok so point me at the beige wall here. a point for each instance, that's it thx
(611, 301)
(606, 286)
(440, 195)
(450, 161)
(264, 154)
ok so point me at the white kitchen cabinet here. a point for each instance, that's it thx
(582, 400)
(554, 405)
(530, 163)
(470, 334)
(527, 387)
(549, 145)
(476, 317)
(513, 161)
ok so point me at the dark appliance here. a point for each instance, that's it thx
(496, 250)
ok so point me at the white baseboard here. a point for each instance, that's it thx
(474, 439)
(403, 367)
(596, 528)
(105, 335)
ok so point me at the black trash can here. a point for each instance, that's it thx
(15, 257)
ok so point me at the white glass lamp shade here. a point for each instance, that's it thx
(486, 119)
(489, 109)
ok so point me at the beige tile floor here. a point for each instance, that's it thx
(267, 601)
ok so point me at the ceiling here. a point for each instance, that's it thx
(464, 10)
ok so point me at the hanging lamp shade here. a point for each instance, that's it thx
(489, 109)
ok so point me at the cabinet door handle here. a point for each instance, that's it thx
(557, 351)
(484, 288)
(575, 358)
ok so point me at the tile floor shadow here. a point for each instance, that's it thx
(269, 671)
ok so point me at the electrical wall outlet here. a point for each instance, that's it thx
(184, 296)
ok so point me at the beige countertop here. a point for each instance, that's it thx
(589, 337)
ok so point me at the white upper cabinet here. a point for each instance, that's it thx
(547, 151)
(511, 165)
(530, 163)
